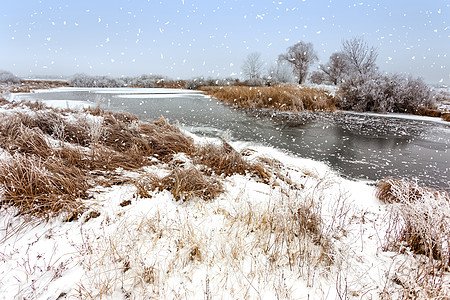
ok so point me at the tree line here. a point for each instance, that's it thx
(355, 56)
(362, 87)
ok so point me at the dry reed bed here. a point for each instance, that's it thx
(284, 98)
(93, 141)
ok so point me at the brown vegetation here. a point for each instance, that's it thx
(284, 98)
(446, 117)
(46, 139)
(25, 86)
(41, 187)
(42, 179)
(221, 159)
(183, 184)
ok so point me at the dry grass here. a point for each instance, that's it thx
(104, 142)
(25, 86)
(221, 159)
(419, 223)
(284, 98)
(446, 117)
(391, 190)
(15, 137)
(165, 140)
(183, 184)
(40, 187)
(248, 247)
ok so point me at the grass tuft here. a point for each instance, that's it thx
(166, 140)
(183, 184)
(446, 116)
(41, 187)
(221, 159)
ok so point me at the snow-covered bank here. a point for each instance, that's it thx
(300, 232)
(401, 116)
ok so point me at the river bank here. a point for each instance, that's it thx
(301, 98)
(119, 208)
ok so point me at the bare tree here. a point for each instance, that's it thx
(336, 68)
(280, 72)
(360, 57)
(253, 65)
(301, 56)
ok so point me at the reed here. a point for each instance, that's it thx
(283, 98)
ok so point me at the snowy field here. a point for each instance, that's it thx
(304, 234)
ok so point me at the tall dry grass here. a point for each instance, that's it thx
(284, 98)
(86, 142)
(419, 222)
(41, 188)
(221, 159)
(166, 140)
(446, 116)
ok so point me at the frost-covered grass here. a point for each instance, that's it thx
(253, 222)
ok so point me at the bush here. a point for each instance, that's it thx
(9, 77)
(385, 93)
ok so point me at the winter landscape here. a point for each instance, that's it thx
(307, 171)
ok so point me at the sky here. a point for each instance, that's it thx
(190, 38)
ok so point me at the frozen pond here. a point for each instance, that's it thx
(359, 146)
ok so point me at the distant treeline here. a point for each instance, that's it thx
(147, 81)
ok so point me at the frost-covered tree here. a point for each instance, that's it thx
(253, 66)
(280, 72)
(318, 77)
(335, 70)
(360, 57)
(6, 76)
(301, 56)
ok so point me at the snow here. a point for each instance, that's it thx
(41, 260)
(401, 116)
(73, 104)
(159, 248)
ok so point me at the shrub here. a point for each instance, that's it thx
(198, 82)
(385, 93)
(317, 77)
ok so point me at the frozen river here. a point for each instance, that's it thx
(359, 146)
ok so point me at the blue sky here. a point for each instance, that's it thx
(183, 39)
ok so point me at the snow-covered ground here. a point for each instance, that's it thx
(158, 247)
(242, 245)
